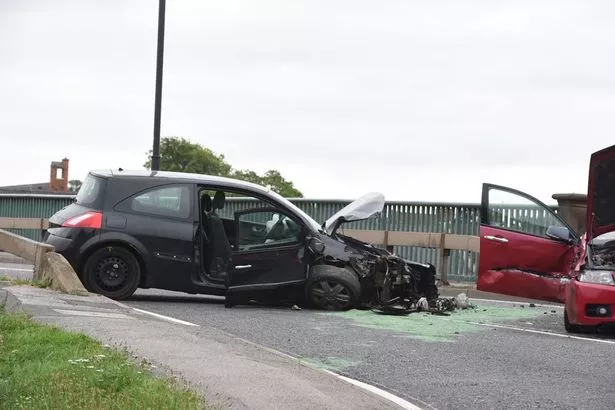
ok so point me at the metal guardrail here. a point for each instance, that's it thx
(389, 239)
(412, 217)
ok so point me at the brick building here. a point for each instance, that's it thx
(57, 184)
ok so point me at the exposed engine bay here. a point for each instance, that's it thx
(393, 285)
(603, 253)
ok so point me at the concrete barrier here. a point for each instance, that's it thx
(30, 250)
(49, 266)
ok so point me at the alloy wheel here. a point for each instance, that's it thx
(330, 295)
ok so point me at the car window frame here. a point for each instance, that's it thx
(305, 227)
(124, 205)
(266, 247)
(485, 220)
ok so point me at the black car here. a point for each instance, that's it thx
(141, 229)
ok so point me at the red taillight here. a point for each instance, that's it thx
(86, 220)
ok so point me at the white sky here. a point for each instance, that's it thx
(420, 100)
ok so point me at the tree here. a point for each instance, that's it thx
(272, 179)
(181, 155)
(74, 185)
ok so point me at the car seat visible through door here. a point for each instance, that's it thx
(217, 254)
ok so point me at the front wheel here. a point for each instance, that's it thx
(113, 272)
(570, 328)
(332, 288)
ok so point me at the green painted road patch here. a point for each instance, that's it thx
(436, 328)
(334, 364)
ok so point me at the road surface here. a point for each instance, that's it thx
(495, 355)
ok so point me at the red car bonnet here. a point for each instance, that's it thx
(601, 193)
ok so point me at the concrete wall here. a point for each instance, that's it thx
(48, 265)
(573, 209)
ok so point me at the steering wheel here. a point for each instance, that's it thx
(275, 227)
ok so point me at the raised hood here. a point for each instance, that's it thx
(601, 193)
(365, 207)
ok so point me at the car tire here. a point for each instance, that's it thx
(332, 288)
(112, 271)
(571, 328)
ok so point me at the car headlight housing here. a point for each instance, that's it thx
(603, 277)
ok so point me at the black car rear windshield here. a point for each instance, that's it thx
(91, 192)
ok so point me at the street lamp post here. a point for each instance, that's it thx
(158, 101)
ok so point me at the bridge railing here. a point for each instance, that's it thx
(445, 234)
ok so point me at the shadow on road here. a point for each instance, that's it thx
(176, 299)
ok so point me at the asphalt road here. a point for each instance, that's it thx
(497, 355)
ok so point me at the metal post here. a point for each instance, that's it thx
(158, 102)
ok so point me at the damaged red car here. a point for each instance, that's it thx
(527, 250)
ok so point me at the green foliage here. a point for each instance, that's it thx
(272, 179)
(74, 185)
(180, 155)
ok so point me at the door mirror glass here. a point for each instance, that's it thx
(265, 228)
(560, 233)
(316, 245)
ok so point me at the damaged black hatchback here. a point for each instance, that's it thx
(219, 236)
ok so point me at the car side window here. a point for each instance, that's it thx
(517, 213)
(168, 201)
(265, 228)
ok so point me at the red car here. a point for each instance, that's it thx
(527, 250)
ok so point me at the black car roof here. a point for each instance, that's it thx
(181, 176)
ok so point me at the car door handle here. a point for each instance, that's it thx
(243, 266)
(495, 238)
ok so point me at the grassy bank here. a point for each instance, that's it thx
(42, 367)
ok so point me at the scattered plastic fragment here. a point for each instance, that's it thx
(422, 304)
(462, 301)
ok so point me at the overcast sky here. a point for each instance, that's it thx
(417, 99)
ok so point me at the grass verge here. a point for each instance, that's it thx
(43, 367)
(30, 282)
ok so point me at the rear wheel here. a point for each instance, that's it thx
(113, 272)
(332, 288)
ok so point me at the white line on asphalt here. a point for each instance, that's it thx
(15, 269)
(512, 302)
(170, 319)
(372, 389)
(541, 332)
(404, 404)
(93, 314)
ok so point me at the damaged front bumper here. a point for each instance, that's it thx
(401, 287)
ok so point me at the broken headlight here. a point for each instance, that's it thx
(364, 267)
(603, 277)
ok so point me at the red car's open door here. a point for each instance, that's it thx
(526, 250)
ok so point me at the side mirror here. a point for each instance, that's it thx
(316, 245)
(559, 233)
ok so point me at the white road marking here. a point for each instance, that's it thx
(513, 302)
(541, 332)
(93, 314)
(163, 317)
(16, 269)
(372, 389)
(404, 404)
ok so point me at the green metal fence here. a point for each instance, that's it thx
(455, 218)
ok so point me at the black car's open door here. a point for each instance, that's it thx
(269, 255)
